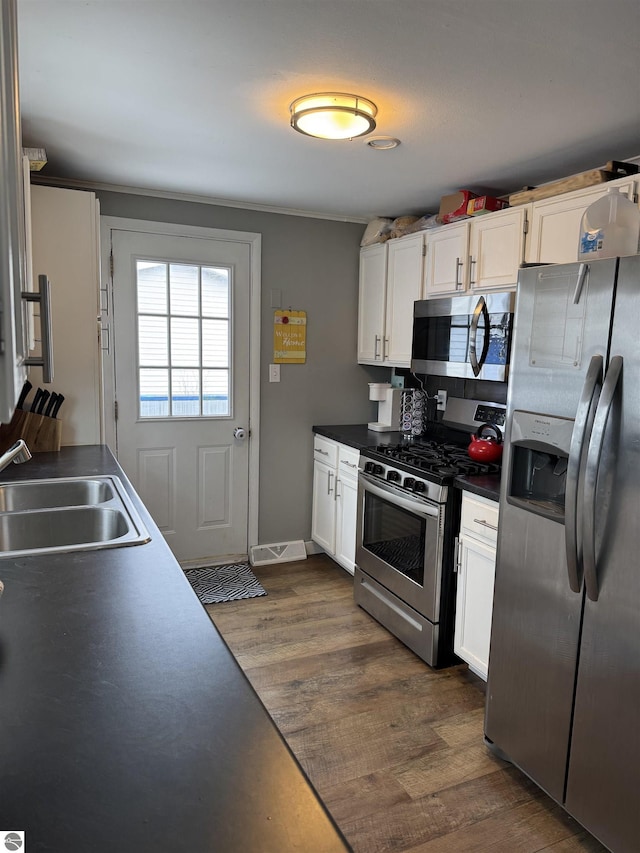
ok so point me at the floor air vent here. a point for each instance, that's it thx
(280, 552)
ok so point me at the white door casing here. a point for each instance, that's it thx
(199, 482)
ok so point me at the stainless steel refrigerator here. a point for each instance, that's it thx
(563, 693)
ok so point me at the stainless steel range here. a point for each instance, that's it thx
(408, 519)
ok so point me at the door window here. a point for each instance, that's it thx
(183, 322)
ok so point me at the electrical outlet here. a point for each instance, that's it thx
(274, 373)
(442, 400)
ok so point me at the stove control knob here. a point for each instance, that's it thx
(393, 476)
(420, 486)
(378, 470)
(368, 467)
(409, 482)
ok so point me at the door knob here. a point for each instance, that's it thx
(240, 433)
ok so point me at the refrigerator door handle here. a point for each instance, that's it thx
(583, 269)
(594, 454)
(588, 399)
(481, 308)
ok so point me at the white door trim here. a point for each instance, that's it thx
(254, 242)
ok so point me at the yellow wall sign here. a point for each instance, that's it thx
(290, 337)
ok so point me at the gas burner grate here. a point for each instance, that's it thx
(432, 457)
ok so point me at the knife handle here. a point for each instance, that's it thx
(56, 406)
(43, 401)
(36, 400)
(24, 394)
(50, 405)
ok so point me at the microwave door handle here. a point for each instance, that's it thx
(594, 454)
(481, 308)
(579, 443)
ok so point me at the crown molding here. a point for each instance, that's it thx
(71, 183)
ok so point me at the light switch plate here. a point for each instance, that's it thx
(274, 373)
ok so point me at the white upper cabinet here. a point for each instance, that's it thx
(404, 287)
(446, 260)
(372, 303)
(482, 253)
(390, 282)
(496, 248)
(555, 222)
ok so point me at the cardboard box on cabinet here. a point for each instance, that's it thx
(454, 206)
(485, 204)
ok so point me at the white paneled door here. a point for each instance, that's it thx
(181, 317)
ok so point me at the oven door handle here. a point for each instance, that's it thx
(389, 493)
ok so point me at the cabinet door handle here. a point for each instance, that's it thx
(376, 354)
(350, 464)
(329, 476)
(458, 265)
(385, 349)
(484, 523)
(324, 452)
(43, 296)
(337, 495)
(472, 262)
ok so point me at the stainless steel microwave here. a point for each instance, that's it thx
(464, 336)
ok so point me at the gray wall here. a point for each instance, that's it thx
(314, 263)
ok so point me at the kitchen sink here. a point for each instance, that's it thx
(39, 494)
(69, 514)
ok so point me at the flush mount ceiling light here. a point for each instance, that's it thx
(333, 115)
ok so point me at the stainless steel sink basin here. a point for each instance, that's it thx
(20, 531)
(39, 494)
(70, 514)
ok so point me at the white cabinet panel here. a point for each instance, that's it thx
(335, 496)
(347, 513)
(474, 604)
(476, 572)
(372, 303)
(446, 265)
(404, 287)
(496, 248)
(323, 517)
(390, 282)
(65, 247)
(555, 222)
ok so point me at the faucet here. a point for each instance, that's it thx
(18, 452)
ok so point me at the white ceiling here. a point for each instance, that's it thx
(192, 97)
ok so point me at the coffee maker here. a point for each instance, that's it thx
(388, 399)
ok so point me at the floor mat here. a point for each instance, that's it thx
(230, 582)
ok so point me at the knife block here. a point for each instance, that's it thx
(39, 432)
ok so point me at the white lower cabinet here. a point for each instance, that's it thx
(335, 496)
(476, 572)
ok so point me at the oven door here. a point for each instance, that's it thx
(464, 336)
(400, 544)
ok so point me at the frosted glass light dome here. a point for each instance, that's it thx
(333, 115)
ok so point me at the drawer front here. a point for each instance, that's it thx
(348, 458)
(479, 518)
(325, 450)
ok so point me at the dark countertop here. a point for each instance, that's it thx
(125, 722)
(486, 485)
(358, 436)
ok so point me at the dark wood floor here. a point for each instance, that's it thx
(393, 747)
